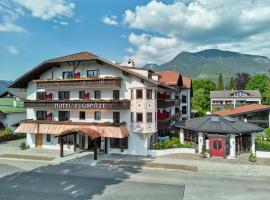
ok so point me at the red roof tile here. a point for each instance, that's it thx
(242, 110)
(186, 82)
(168, 77)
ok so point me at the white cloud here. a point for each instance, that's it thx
(13, 49)
(64, 23)
(47, 9)
(110, 20)
(194, 25)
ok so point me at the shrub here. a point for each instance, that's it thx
(172, 143)
(262, 145)
(7, 135)
(267, 132)
(23, 146)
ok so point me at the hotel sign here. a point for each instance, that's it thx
(82, 105)
(119, 104)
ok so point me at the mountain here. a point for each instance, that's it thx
(209, 63)
(3, 85)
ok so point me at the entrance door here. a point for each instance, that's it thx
(39, 140)
(217, 147)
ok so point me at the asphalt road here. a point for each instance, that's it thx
(75, 181)
(62, 183)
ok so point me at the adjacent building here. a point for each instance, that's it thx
(12, 111)
(82, 101)
(229, 99)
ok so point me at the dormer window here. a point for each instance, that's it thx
(67, 74)
(93, 73)
(240, 94)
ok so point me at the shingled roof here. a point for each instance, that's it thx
(169, 77)
(229, 94)
(218, 125)
(187, 83)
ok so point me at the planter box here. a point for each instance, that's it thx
(170, 151)
(263, 154)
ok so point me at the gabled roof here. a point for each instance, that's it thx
(22, 81)
(169, 77)
(230, 93)
(187, 83)
(19, 94)
(242, 110)
(218, 125)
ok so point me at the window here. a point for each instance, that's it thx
(149, 94)
(63, 95)
(41, 95)
(184, 99)
(97, 94)
(97, 115)
(41, 115)
(116, 117)
(119, 143)
(81, 94)
(149, 117)
(48, 138)
(190, 137)
(131, 94)
(82, 115)
(116, 94)
(68, 74)
(92, 73)
(63, 115)
(139, 117)
(139, 94)
(131, 117)
(184, 110)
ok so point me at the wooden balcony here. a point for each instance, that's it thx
(166, 103)
(107, 82)
(79, 104)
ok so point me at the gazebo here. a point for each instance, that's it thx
(223, 136)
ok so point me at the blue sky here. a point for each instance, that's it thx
(32, 31)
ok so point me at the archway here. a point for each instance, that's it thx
(84, 130)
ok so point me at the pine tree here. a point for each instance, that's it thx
(220, 84)
(231, 84)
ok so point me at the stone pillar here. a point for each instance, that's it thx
(200, 141)
(181, 136)
(232, 146)
(253, 149)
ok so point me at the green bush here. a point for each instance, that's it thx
(7, 134)
(23, 146)
(172, 143)
(262, 145)
(267, 133)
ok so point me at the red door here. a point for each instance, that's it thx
(217, 147)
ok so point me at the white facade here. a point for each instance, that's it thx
(185, 105)
(9, 119)
(140, 119)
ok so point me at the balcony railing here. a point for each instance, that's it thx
(107, 82)
(166, 103)
(79, 104)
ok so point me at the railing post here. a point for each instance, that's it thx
(95, 150)
(61, 146)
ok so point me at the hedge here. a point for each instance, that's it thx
(262, 145)
(169, 144)
(7, 135)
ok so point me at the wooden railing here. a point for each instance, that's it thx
(79, 104)
(166, 103)
(108, 82)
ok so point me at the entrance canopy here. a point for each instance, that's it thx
(218, 125)
(94, 130)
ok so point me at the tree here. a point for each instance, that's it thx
(260, 82)
(200, 100)
(241, 80)
(220, 84)
(201, 94)
(231, 85)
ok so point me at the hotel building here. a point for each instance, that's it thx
(82, 101)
